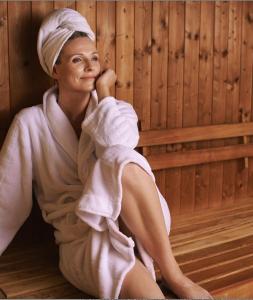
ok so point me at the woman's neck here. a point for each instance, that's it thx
(74, 105)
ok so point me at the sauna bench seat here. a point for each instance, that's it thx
(214, 248)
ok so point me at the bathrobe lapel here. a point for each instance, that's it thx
(78, 150)
(59, 124)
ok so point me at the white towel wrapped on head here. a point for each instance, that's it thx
(54, 32)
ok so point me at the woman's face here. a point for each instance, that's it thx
(79, 66)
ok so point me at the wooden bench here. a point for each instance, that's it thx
(29, 267)
(213, 247)
(197, 134)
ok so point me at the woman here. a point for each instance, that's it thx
(76, 150)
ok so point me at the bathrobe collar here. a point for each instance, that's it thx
(60, 125)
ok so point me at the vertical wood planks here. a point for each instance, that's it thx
(142, 62)
(232, 100)
(205, 95)
(159, 78)
(4, 68)
(244, 182)
(106, 34)
(179, 63)
(192, 31)
(20, 55)
(88, 10)
(124, 50)
(40, 9)
(63, 4)
(219, 95)
(175, 95)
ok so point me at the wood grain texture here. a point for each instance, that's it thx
(106, 39)
(205, 96)
(175, 95)
(4, 68)
(213, 248)
(181, 64)
(159, 78)
(161, 161)
(241, 186)
(193, 134)
(232, 97)
(39, 10)
(125, 50)
(21, 76)
(240, 290)
(63, 4)
(190, 104)
(244, 184)
(219, 95)
(142, 63)
(88, 10)
(31, 271)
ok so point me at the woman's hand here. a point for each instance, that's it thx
(104, 82)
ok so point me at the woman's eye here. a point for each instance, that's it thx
(76, 60)
(95, 58)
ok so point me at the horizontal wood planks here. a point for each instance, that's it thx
(31, 271)
(199, 157)
(191, 134)
(215, 249)
(181, 64)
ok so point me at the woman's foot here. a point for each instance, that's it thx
(184, 288)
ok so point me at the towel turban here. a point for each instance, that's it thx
(54, 32)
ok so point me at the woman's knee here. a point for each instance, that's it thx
(133, 174)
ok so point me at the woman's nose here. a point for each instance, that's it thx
(89, 66)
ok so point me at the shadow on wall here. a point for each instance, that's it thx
(27, 79)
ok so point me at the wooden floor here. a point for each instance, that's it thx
(214, 249)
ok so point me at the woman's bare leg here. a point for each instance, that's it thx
(138, 283)
(142, 214)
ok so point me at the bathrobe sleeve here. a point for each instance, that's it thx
(15, 182)
(113, 122)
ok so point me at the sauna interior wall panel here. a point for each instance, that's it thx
(190, 99)
(159, 75)
(205, 93)
(142, 61)
(88, 9)
(4, 68)
(245, 176)
(175, 95)
(106, 32)
(178, 63)
(232, 96)
(241, 185)
(219, 95)
(124, 55)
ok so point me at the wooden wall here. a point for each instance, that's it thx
(180, 64)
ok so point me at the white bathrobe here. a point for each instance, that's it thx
(78, 187)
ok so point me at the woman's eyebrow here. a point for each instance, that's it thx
(81, 54)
